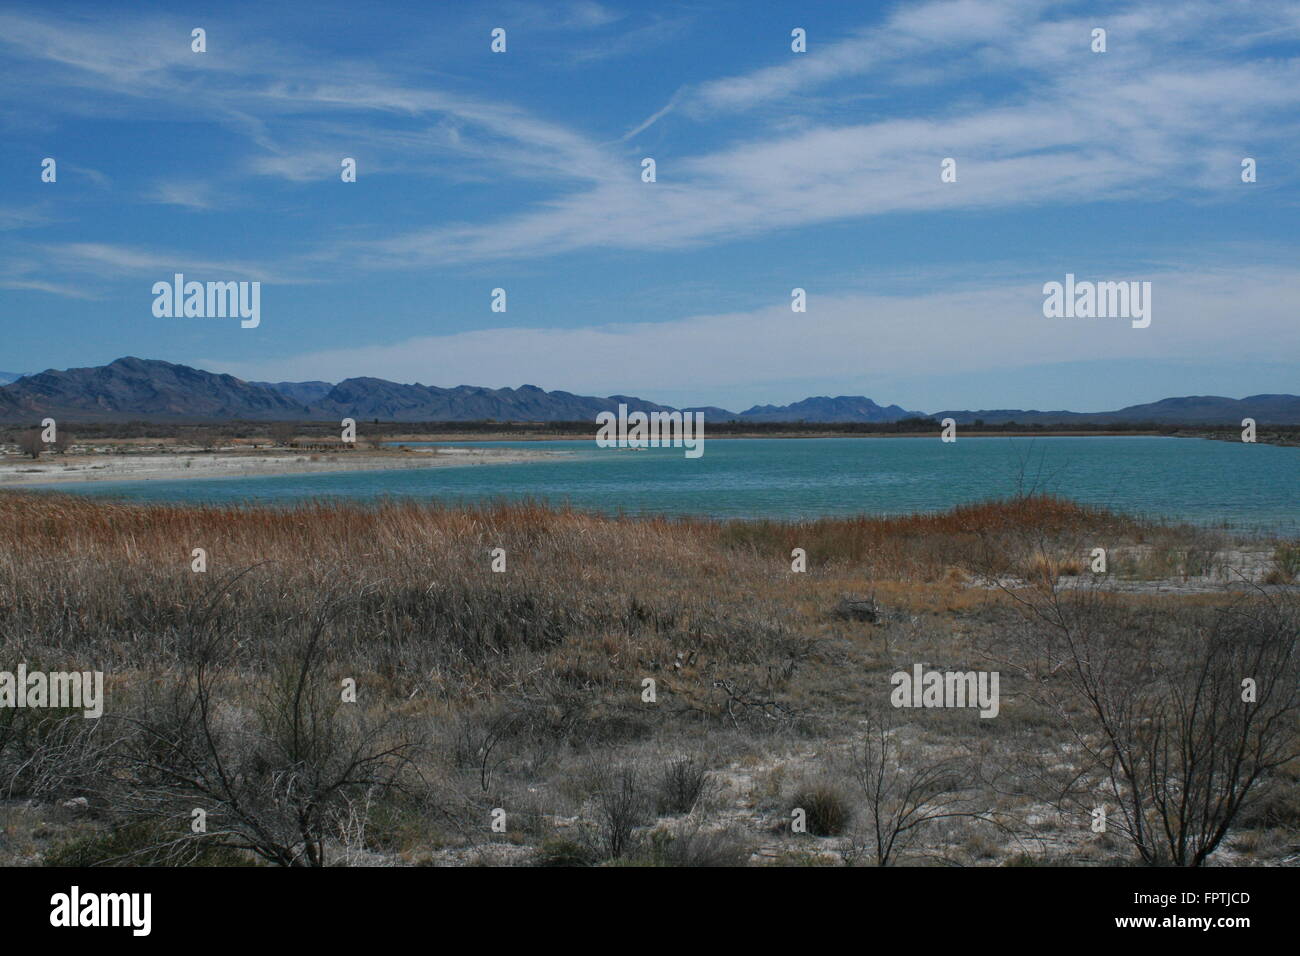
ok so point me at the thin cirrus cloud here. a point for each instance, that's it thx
(1035, 153)
(111, 261)
(187, 195)
(274, 95)
(946, 42)
(1162, 123)
(1157, 117)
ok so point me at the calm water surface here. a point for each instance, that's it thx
(1207, 482)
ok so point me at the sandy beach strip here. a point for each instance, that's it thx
(59, 469)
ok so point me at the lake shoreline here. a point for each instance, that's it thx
(588, 436)
(175, 466)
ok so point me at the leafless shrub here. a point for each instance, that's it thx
(30, 444)
(50, 752)
(905, 792)
(681, 785)
(277, 780)
(1160, 708)
(620, 806)
(751, 700)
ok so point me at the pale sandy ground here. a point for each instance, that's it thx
(1232, 567)
(15, 471)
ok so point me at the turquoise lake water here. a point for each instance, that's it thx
(1207, 482)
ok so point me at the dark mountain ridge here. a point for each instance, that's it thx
(132, 388)
(147, 389)
(1187, 410)
(842, 408)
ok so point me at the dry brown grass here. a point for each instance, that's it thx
(515, 680)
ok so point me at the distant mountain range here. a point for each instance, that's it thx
(7, 377)
(145, 389)
(845, 408)
(133, 388)
(1190, 410)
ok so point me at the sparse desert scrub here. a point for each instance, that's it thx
(1180, 718)
(683, 783)
(277, 775)
(822, 805)
(479, 690)
(694, 846)
(1286, 565)
(619, 806)
(49, 752)
(143, 842)
(905, 788)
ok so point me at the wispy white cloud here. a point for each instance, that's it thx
(586, 14)
(1163, 114)
(1166, 135)
(653, 118)
(85, 172)
(858, 338)
(189, 195)
(634, 41)
(112, 261)
(1154, 121)
(53, 288)
(559, 14)
(28, 275)
(277, 96)
(22, 218)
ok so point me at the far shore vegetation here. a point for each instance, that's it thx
(212, 435)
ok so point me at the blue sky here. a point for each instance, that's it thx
(775, 170)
